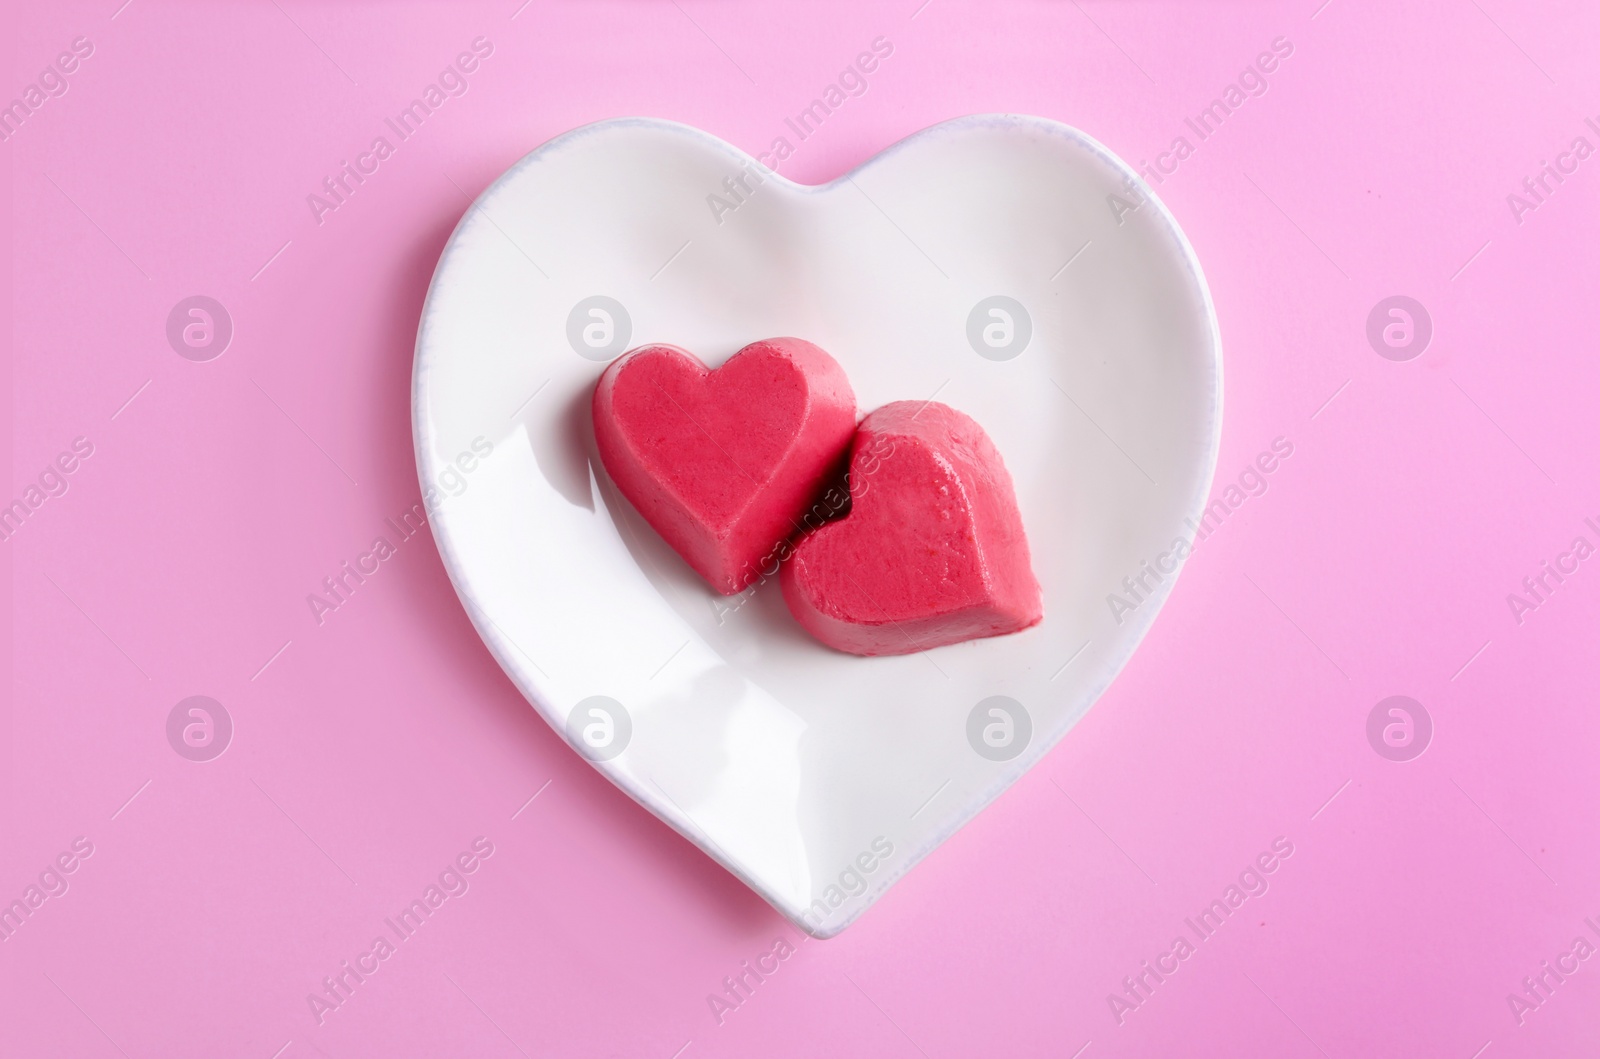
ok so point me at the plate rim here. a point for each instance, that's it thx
(501, 646)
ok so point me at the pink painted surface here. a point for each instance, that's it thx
(382, 742)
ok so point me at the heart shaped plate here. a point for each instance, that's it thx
(1008, 266)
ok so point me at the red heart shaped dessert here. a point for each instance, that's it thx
(932, 551)
(723, 463)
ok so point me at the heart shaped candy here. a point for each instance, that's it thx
(932, 552)
(723, 463)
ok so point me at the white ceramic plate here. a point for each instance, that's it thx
(816, 777)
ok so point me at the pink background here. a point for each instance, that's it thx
(376, 747)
